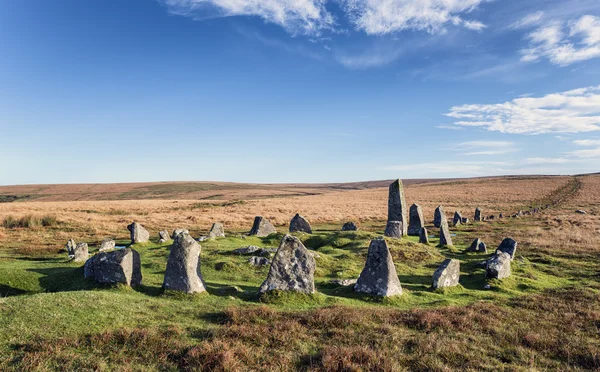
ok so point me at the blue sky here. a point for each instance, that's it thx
(297, 91)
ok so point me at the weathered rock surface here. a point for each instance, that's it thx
(106, 245)
(509, 246)
(183, 266)
(393, 229)
(70, 247)
(258, 261)
(438, 216)
(498, 267)
(423, 236)
(81, 253)
(445, 238)
(138, 234)
(178, 231)
(416, 220)
(262, 227)
(343, 282)
(477, 216)
(349, 226)
(217, 230)
(477, 246)
(121, 266)
(457, 220)
(447, 274)
(379, 275)
(292, 269)
(163, 236)
(300, 224)
(254, 250)
(397, 208)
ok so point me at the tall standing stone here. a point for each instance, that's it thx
(498, 267)
(509, 246)
(416, 220)
(300, 224)
(445, 238)
(71, 247)
(262, 227)
(81, 253)
(393, 229)
(183, 266)
(438, 216)
(122, 266)
(379, 275)
(423, 236)
(217, 230)
(477, 216)
(138, 234)
(397, 209)
(457, 220)
(292, 269)
(447, 274)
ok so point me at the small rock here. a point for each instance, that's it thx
(176, 232)
(580, 211)
(349, 226)
(137, 233)
(163, 236)
(393, 229)
(81, 253)
(262, 227)
(70, 247)
(258, 261)
(509, 246)
(300, 224)
(217, 230)
(343, 282)
(106, 245)
(498, 267)
(447, 275)
(477, 216)
(423, 236)
(477, 246)
(121, 266)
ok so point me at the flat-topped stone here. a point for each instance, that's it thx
(379, 277)
(138, 233)
(447, 274)
(81, 253)
(498, 267)
(121, 266)
(183, 266)
(106, 245)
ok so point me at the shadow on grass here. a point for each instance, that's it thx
(63, 279)
(7, 291)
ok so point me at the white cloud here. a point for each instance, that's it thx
(587, 153)
(372, 57)
(485, 147)
(379, 17)
(297, 16)
(547, 161)
(587, 142)
(564, 43)
(567, 112)
(528, 21)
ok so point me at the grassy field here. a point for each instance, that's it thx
(546, 316)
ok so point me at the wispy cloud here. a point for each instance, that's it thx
(529, 20)
(587, 153)
(564, 42)
(485, 147)
(371, 57)
(566, 112)
(548, 160)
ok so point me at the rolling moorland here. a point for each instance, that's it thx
(545, 316)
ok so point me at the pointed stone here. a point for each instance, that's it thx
(217, 230)
(498, 267)
(447, 274)
(163, 236)
(477, 217)
(397, 208)
(292, 269)
(416, 220)
(262, 227)
(349, 226)
(445, 238)
(81, 253)
(423, 236)
(183, 266)
(379, 277)
(121, 266)
(509, 246)
(138, 234)
(70, 247)
(393, 229)
(438, 215)
(477, 246)
(457, 220)
(300, 224)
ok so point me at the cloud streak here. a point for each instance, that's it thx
(573, 111)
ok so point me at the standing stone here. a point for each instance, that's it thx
(447, 274)
(176, 232)
(122, 266)
(292, 269)
(70, 247)
(300, 224)
(509, 246)
(397, 210)
(106, 245)
(498, 267)
(465, 220)
(183, 266)
(262, 227)
(416, 220)
(81, 253)
(163, 236)
(500, 215)
(393, 229)
(379, 275)
(477, 215)
(457, 220)
(349, 226)
(477, 246)
(217, 230)
(445, 238)
(438, 216)
(138, 233)
(423, 236)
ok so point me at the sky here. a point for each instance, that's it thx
(296, 90)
